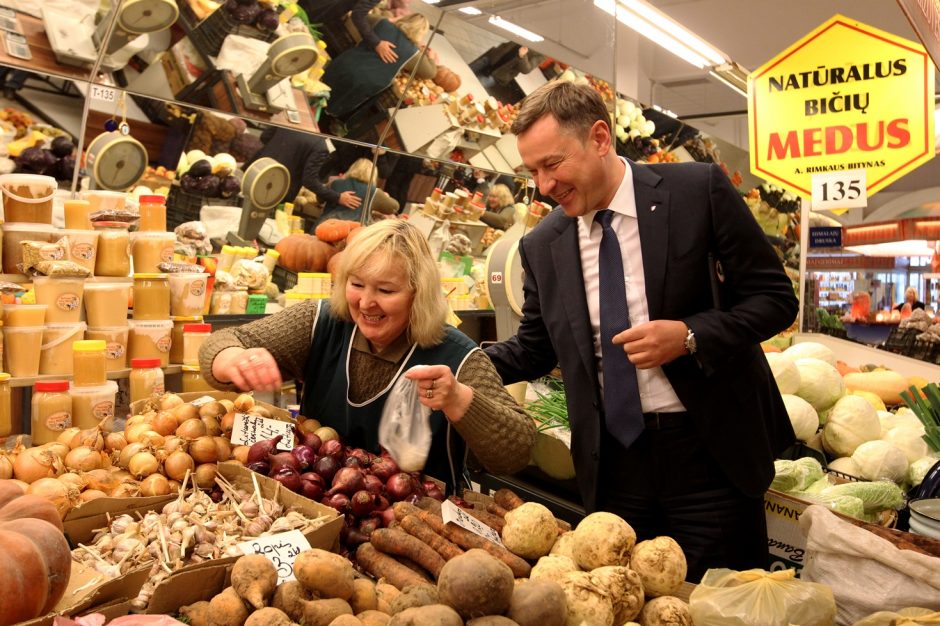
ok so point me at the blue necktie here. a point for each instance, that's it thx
(622, 411)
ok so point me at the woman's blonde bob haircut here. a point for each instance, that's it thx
(362, 170)
(503, 194)
(415, 27)
(396, 243)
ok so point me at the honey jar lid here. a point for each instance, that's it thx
(51, 385)
(5, 377)
(142, 363)
(197, 328)
(150, 276)
(152, 199)
(89, 345)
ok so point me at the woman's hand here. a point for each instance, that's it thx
(386, 51)
(439, 390)
(350, 200)
(248, 369)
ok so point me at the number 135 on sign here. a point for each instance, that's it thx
(840, 190)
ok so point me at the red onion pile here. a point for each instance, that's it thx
(355, 482)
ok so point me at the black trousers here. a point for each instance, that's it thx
(668, 484)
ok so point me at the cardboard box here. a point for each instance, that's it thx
(785, 540)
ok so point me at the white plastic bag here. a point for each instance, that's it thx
(405, 430)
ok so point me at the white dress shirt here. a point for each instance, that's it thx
(656, 394)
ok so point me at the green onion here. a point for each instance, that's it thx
(550, 409)
(927, 411)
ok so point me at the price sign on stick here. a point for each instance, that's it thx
(453, 513)
(250, 429)
(281, 549)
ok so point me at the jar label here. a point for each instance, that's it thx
(114, 351)
(51, 253)
(166, 255)
(84, 251)
(197, 287)
(164, 343)
(67, 302)
(103, 409)
(59, 421)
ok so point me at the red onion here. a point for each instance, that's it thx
(384, 468)
(400, 487)
(388, 516)
(331, 447)
(288, 477)
(338, 501)
(352, 536)
(368, 524)
(352, 461)
(433, 491)
(262, 467)
(305, 456)
(347, 480)
(311, 440)
(312, 486)
(326, 466)
(281, 460)
(361, 455)
(260, 450)
(373, 484)
(418, 479)
(361, 503)
(381, 503)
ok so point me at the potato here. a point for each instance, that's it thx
(322, 612)
(268, 616)
(373, 618)
(666, 611)
(625, 588)
(414, 595)
(602, 539)
(552, 566)
(431, 615)
(346, 620)
(326, 574)
(227, 609)
(530, 530)
(538, 603)
(385, 594)
(254, 578)
(291, 597)
(363, 597)
(564, 545)
(661, 565)
(197, 613)
(476, 584)
(588, 603)
(492, 620)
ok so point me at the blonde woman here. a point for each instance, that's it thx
(358, 73)
(386, 315)
(500, 208)
(359, 178)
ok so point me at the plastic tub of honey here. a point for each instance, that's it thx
(63, 295)
(187, 293)
(115, 339)
(82, 247)
(150, 339)
(149, 249)
(106, 302)
(76, 214)
(105, 200)
(27, 197)
(13, 234)
(56, 354)
(24, 314)
(90, 405)
(114, 249)
(21, 350)
(151, 296)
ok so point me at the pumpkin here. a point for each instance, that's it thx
(446, 79)
(304, 253)
(35, 561)
(333, 230)
(333, 266)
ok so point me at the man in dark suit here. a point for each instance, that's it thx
(675, 415)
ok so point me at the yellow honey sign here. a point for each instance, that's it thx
(844, 97)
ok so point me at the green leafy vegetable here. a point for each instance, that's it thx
(927, 411)
(549, 409)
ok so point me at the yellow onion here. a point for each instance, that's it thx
(228, 404)
(92, 494)
(244, 402)
(175, 486)
(128, 452)
(100, 480)
(164, 423)
(6, 467)
(73, 480)
(57, 448)
(185, 412)
(142, 418)
(63, 496)
(90, 437)
(34, 463)
(204, 450)
(143, 464)
(240, 453)
(227, 423)
(83, 459)
(192, 429)
(151, 438)
(155, 485)
(309, 425)
(224, 447)
(170, 401)
(175, 442)
(325, 433)
(66, 435)
(125, 490)
(204, 476)
(114, 441)
(177, 464)
(213, 428)
(132, 433)
(212, 409)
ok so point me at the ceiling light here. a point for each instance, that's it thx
(640, 24)
(515, 29)
(728, 83)
(910, 247)
(669, 26)
(471, 11)
(431, 1)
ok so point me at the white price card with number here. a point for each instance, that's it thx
(281, 549)
(198, 402)
(453, 513)
(250, 429)
(840, 190)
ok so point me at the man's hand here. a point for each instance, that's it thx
(654, 343)
(350, 200)
(385, 50)
(523, 51)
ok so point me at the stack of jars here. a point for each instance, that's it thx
(92, 393)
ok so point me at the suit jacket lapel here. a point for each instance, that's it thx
(652, 210)
(566, 256)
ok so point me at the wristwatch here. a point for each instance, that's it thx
(690, 341)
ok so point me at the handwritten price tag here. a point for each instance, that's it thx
(453, 513)
(281, 549)
(250, 429)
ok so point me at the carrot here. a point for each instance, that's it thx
(467, 540)
(403, 509)
(507, 499)
(419, 529)
(496, 509)
(400, 543)
(493, 521)
(384, 566)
